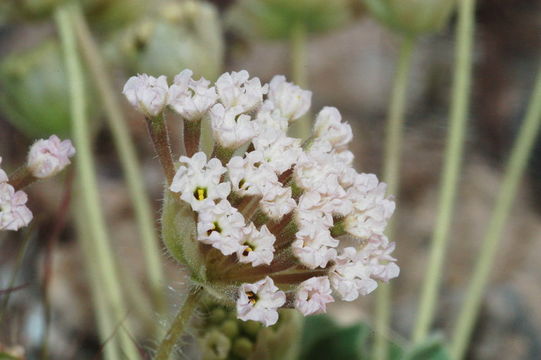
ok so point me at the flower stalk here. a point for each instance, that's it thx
(452, 163)
(192, 134)
(178, 325)
(157, 129)
(87, 176)
(514, 171)
(127, 155)
(391, 175)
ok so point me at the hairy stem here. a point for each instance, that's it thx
(104, 258)
(157, 129)
(178, 325)
(192, 135)
(452, 162)
(128, 158)
(391, 175)
(514, 171)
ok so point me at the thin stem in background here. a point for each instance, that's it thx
(514, 171)
(104, 257)
(178, 325)
(128, 159)
(391, 175)
(452, 163)
(302, 127)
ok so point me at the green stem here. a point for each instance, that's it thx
(391, 175)
(178, 326)
(299, 75)
(157, 129)
(128, 159)
(452, 163)
(106, 327)
(513, 174)
(21, 178)
(104, 258)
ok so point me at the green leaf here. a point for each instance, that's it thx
(323, 339)
(431, 349)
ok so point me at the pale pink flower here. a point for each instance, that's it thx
(13, 211)
(191, 99)
(47, 157)
(351, 275)
(231, 128)
(313, 295)
(256, 246)
(329, 127)
(221, 226)
(235, 89)
(292, 101)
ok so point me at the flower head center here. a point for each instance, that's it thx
(200, 193)
(215, 227)
(248, 249)
(252, 297)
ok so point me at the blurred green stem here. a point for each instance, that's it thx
(104, 258)
(128, 158)
(299, 75)
(178, 325)
(391, 175)
(514, 171)
(452, 162)
(106, 327)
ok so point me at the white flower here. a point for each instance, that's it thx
(279, 151)
(147, 93)
(230, 127)
(48, 157)
(3, 175)
(260, 301)
(277, 200)
(378, 252)
(269, 117)
(190, 98)
(329, 126)
(350, 277)
(371, 209)
(198, 181)
(13, 211)
(249, 175)
(313, 295)
(257, 246)
(221, 226)
(235, 89)
(292, 101)
(314, 246)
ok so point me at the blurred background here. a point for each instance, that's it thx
(350, 63)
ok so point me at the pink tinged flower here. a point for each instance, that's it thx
(329, 127)
(378, 252)
(235, 89)
(48, 157)
(191, 99)
(314, 245)
(231, 128)
(260, 301)
(147, 94)
(3, 175)
(221, 226)
(257, 246)
(276, 201)
(279, 151)
(313, 295)
(351, 275)
(199, 181)
(371, 209)
(292, 101)
(13, 211)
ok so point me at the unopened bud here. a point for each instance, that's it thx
(242, 347)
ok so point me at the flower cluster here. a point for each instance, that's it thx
(46, 158)
(292, 222)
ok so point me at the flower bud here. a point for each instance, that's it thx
(242, 347)
(412, 17)
(276, 19)
(48, 157)
(215, 345)
(230, 328)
